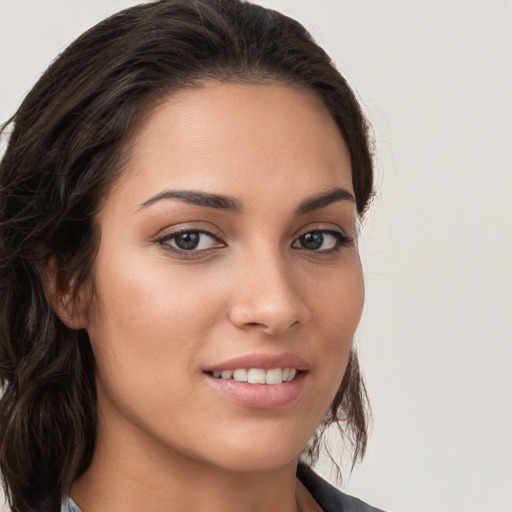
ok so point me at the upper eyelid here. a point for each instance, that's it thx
(171, 231)
(169, 236)
(219, 235)
(331, 232)
(321, 226)
(176, 233)
(324, 230)
(194, 230)
(165, 243)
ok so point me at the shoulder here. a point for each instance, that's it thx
(327, 496)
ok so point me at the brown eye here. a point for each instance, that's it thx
(312, 241)
(192, 240)
(322, 240)
(188, 240)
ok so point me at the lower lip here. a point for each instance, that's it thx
(259, 396)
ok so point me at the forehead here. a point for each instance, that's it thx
(238, 139)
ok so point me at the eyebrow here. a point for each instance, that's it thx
(324, 199)
(231, 204)
(204, 199)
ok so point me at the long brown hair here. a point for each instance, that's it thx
(65, 151)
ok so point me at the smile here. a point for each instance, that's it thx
(258, 375)
(258, 380)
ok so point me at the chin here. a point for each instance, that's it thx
(259, 453)
(250, 463)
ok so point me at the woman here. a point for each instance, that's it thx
(180, 275)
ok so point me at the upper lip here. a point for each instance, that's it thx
(263, 361)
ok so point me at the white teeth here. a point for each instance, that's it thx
(240, 375)
(274, 376)
(258, 376)
(292, 374)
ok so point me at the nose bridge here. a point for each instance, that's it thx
(266, 296)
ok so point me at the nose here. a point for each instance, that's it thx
(265, 297)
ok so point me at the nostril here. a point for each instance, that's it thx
(271, 315)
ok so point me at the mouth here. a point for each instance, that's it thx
(272, 376)
(260, 381)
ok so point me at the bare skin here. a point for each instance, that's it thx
(179, 288)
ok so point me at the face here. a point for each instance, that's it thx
(227, 254)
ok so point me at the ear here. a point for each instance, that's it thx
(69, 304)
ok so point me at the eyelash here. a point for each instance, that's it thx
(342, 240)
(164, 242)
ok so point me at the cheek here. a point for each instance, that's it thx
(336, 306)
(343, 308)
(338, 301)
(147, 327)
(153, 305)
(149, 324)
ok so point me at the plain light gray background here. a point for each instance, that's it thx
(435, 78)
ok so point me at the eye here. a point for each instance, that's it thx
(191, 240)
(322, 240)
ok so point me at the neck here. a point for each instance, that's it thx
(129, 475)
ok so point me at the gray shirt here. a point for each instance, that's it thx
(328, 497)
(68, 505)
